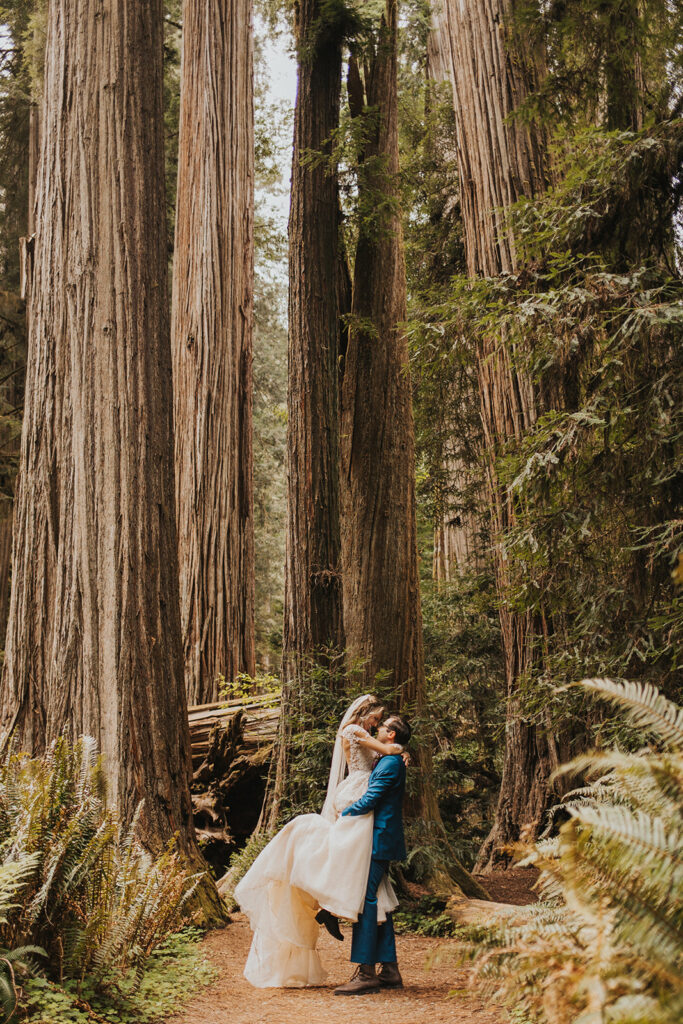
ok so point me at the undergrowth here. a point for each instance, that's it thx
(81, 900)
(174, 972)
(426, 917)
(605, 945)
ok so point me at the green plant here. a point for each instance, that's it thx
(14, 877)
(174, 972)
(263, 686)
(606, 943)
(241, 862)
(426, 917)
(72, 879)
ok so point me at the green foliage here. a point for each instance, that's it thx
(89, 894)
(595, 479)
(260, 687)
(465, 703)
(593, 319)
(241, 861)
(270, 483)
(426, 917)
(14, 877)
(606, 943)
(604, 59)
(612, 196)
(174, 972)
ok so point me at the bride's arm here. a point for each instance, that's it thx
(370, 743)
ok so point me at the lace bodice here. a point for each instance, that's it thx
(360, 759)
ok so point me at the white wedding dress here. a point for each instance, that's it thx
(316, 860)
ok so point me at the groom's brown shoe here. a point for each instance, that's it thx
(389, 976)
(363, 980)
(329, 921)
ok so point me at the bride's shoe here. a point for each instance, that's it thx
(331, 923)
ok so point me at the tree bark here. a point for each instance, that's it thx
(13, 391)
(93, 641)
(500, 159)
(382, 613)
(458, 544)
(212, 345)
(313, 605)
(313, 620)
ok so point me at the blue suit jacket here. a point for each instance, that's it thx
(384, 796)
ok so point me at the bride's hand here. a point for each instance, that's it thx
(406, 758)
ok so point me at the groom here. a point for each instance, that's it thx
(372, 943)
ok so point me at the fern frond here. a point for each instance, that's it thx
(645, 706)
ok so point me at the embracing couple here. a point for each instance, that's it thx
(321, 867)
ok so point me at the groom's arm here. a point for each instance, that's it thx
(383, 779)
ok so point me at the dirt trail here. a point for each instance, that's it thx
(432, 995)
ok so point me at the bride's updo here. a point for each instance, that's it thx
(366, 708)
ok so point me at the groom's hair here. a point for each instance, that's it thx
(399, 726)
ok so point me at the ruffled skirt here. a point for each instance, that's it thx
(310, 863)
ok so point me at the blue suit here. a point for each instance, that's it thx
(373, 943)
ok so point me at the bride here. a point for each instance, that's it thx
(316, 862)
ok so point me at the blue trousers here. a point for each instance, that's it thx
(373, 943)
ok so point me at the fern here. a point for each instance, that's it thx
(646, 707)
(72, 880)
(605, 945)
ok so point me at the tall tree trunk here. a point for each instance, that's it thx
(13, 391)
(499, 160)
(212, 345)
(624, 85)
(93, 642)
(313, 622)
(458, 544)
(382, 613)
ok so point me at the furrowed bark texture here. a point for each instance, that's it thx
(382, 612)
(458, 547)
(212, 345)
(13, 385)
(313, 621)
(499, 160)
(93, 641)
(313, 603)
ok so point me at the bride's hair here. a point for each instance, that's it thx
(365, 709)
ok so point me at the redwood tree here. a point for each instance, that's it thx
(382, 614)
(93, 640)
(500, 160)
(212, 345)
(313, 621)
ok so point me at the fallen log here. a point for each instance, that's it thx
(231, 742)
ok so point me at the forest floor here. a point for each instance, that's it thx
(435, 991)
(512, 886)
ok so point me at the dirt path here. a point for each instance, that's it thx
(436, 995)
